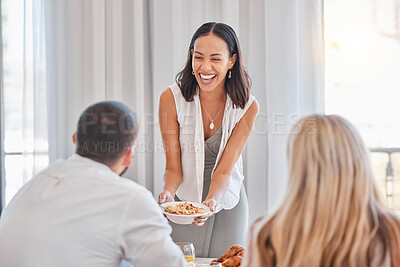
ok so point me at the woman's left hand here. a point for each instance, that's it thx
(212, 204)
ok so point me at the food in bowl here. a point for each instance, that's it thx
(184, 218)
(184, 209)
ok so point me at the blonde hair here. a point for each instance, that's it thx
(331, 215)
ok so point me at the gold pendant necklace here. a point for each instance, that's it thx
(208, 114)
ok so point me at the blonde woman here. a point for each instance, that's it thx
(331, 215)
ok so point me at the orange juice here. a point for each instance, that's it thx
(189, 258)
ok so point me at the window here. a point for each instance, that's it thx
(362, 76)
(12, 50)
(24, 153)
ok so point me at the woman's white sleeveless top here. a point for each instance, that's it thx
(191, 139)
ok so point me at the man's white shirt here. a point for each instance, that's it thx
(77, 212)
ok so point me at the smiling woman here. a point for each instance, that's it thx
(215, 46)
(203, 163)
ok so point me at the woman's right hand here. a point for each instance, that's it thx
(165, 196)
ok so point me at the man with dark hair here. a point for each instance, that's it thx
(80, 212)
(108, 126)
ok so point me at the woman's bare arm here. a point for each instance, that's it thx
(170, 135)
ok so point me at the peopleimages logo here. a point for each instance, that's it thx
(149, 134)
(273, 124)
(106, 146)
(109, 123)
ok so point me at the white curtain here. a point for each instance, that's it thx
(100, 50)
(34, 120)
(131, 51)
(294, 76)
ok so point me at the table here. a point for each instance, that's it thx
(203, 260)
(197, 260)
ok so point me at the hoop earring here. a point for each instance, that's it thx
(193, 72)
(230, 74)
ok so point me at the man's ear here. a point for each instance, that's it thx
(127, 161)
(74, 138)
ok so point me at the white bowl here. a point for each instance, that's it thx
(184, 219)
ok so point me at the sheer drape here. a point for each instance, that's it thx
(100, 50)
(34, 121)
(294, 78)
(131, 51)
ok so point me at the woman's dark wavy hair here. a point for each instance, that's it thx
(238, 86)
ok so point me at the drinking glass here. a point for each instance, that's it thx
(188, 250)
